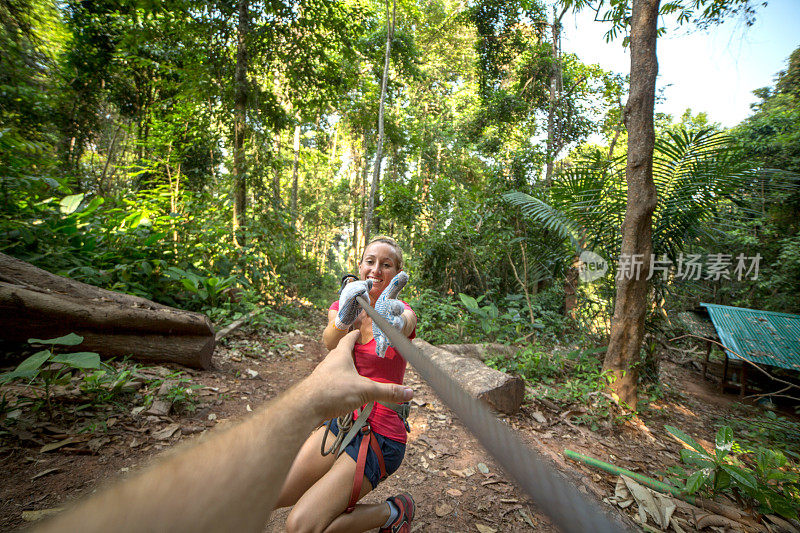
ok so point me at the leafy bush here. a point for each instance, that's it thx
(439, 320)
(532, 363)
(764, 476)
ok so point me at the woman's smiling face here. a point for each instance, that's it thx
(380, 264)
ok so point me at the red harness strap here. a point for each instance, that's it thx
(367, 439)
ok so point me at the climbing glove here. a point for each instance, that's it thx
(349, 308)
(391, 310)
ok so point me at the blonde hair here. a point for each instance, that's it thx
(385, 239)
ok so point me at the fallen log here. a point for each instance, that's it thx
(500, 391)
(481, 352)
(36, 303)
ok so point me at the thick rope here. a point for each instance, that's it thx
(553, 495)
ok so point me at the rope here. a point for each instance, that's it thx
(345, 422)
(562, 502)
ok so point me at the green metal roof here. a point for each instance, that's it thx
(763, 337)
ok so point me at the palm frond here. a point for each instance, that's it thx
(549, 217)
(694, 173)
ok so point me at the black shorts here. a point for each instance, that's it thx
(393, 453)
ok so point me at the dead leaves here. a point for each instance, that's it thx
(651, 504)
(56, 445)
(45, 472)
(167, 432)
(443, 509)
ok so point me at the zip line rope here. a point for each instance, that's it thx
(555, 496)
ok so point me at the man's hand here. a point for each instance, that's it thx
(349, 308)
(336, 388)
(391, 310)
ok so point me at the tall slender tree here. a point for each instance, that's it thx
(295, 169)
(239, 125)
(376, 172)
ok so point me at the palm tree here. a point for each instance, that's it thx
(694, 171)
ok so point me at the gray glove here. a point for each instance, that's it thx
(391, 310)
(349, 308)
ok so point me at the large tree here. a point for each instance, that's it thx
(640, 18)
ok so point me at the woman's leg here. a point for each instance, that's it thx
(307, 468)
(322, 507)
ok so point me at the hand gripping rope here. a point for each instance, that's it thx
(562, 502)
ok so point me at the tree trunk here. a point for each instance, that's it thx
(571, 287)
(627, 326)
(373, 190)
(276, 177)
(101, 187)
(295, 165)
(556, 86)
(240, 103)
(355, 198)
(36, 303)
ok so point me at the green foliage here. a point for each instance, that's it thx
(768, 429)
(693, 172)
(533, 363)
(765, 476)
(438, 318)
(493, 324)
(209, 290)
(46, 368)
(574, 378)
(107, 384)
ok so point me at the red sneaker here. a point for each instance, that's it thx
(405, 503)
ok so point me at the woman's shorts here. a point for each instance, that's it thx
(393, 453)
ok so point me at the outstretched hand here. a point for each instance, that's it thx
(337, 388)
(390, 309)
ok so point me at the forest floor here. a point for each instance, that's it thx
(456, 485)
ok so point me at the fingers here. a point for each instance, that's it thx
(390, 392)
(349, 308)
(381, 344)
(348, 342)
(395, 307)
(395, 286)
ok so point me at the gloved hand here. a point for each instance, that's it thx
(391, 310)
(349, 308)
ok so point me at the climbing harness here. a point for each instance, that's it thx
(568, 509)
(348, 429)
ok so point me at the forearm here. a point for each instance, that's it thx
(229, 482)
(409, 322)
(332, 335)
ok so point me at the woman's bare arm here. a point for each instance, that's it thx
(410, 322)
(332, 335)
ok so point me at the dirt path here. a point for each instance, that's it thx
(456, 485)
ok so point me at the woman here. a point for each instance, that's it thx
(320, 486)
